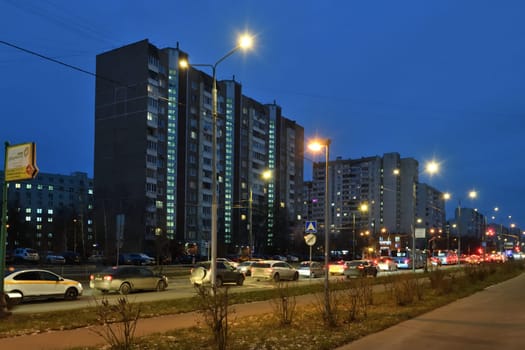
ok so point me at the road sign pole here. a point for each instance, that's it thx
(3, 234)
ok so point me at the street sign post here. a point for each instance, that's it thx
(19, 164)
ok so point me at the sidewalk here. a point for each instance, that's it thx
(490, 319)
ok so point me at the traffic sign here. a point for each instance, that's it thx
(310, 227)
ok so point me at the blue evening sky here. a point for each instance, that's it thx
(434, 79)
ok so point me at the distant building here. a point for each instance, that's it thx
(52, 212)
(153, 157)
(388, 186)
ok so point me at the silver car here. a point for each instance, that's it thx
(311, 269)
(275, 270)
(126, 279)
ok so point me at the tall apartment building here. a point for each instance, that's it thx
(387, 185)
(153, 156)
(52, 212)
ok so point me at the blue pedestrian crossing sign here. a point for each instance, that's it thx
(310, 227)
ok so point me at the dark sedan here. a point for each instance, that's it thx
(360, 268)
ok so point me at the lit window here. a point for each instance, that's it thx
(50, 188)
(28, 218)
(28, 210)
(50, 211)
(28, 186)
(49, 219)
(17, 185)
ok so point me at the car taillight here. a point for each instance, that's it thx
(108, 278)
(91, 277)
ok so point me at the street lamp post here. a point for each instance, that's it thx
(362, 208)
(472, 194)
(245, 42)
(317, 146)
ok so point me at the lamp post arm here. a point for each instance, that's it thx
(231, 52)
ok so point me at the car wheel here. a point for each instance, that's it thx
(71, 294)
(296, 276)
(218, 282)
(125, 288)
(161, 286)
(240, 280)
(276, 277)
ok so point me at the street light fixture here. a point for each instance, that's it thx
(362, 208)
(472, 195)
(317, 146)
(245, 42)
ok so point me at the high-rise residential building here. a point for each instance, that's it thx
(372, 199)
(52, 212)
(154, 150)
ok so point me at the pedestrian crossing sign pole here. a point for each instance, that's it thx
(310, 227)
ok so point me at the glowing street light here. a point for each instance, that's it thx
(245, 42)
(317, 146)
(472, 194)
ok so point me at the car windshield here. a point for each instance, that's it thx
(357, 263)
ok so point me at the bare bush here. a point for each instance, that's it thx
(119, 322)
(326, 305)
(356, 299)
(284, 305)
(404, 288)
(214, 306)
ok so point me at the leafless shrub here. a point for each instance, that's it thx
(404, 288)
(214, 307)
(326, 304)
(118, 321)
(356, 299)
(284, 305)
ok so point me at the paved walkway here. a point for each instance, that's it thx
(491, 319)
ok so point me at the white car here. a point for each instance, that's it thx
(41, 284)
(311, 269)
(386, 263)
(275, 270)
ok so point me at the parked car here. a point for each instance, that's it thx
(386, 263)
(360, 268)
(41, 284)
(275, 270)
(311, 269)
(53, 258)
(72, 258)
(225, 273)
(127, 278)
(25, 255)
(135, 259)
(97, 259)
(337, 267)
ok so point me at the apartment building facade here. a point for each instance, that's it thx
(154, 150)
(52, 212)
(371, 199)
